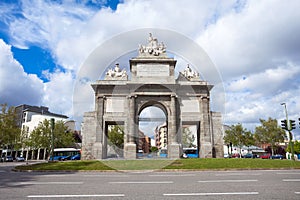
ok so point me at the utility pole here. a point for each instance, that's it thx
(289, 128)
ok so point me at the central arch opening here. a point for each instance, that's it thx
(152, 141)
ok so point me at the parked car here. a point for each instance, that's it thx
(235, 155)
(8, 159)
(249, 155)
(277, 156)
(20, 159)
(265, 156)
(226, 155)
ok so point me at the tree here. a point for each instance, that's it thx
(296, 147)
(269, 133)
(40, 137)
(238, 136)
(116, 138)
(188, 138)
(154, 149)
(9, 131)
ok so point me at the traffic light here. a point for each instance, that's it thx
(284, 124)
(292, 124)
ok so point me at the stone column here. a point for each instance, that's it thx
(205, 130)
(100, 112)
(131, 119)
(130, 146)
(173, 147)
(98, 147)
(173, 135)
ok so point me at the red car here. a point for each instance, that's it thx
(235, 155)
(265, 156)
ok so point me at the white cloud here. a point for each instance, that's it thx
(254, 44)
(16, 86)
(270, 82)
(58, 92)
(262, 34)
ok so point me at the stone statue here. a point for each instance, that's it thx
(153, 48)
(116, 73)
(189, 73)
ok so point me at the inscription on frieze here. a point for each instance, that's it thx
(153, 70)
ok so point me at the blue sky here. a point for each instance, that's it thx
(254, 45)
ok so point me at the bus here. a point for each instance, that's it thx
(65, 153)
(191, 152)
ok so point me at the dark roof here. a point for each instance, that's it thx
(40, 110)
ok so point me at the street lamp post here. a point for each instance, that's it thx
(52, 138)
(289, 128)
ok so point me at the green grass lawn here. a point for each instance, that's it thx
(181, 164)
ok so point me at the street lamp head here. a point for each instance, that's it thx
(282, 104)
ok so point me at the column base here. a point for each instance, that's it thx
(206, 150)
(130, 151)
(97, 150)
(174, 151)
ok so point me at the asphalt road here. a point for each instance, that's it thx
(243, 184)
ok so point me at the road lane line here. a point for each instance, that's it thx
(143, 182)
(237, 174)
(288, 173)
(290, 180)
(227, 181)
(75, 196)
(297, 192)
(48, 183)
(169, 175)
(106, 176)
(212, 194)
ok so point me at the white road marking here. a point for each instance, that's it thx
(48, 183)
(55, 175)
(227, 181)
(75, 196)
(290, 180)
(297, 192)
(288, 173)
(213, 194)
(143, 182)
(172, 175)
(238, 174)
(108, 176)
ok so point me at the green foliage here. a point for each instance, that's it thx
(116, 138)
(296, 147)
(10, 133)
(269, 133)
(238, 136)
(154, 149)
(40, 137)
(187, 138)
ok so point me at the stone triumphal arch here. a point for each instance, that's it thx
(185, 100)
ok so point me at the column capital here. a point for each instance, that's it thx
(101, 96)
(174, 95)
(132, 96)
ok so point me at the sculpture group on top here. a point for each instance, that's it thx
(153, 48)
(116, 73)
(190, 74)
